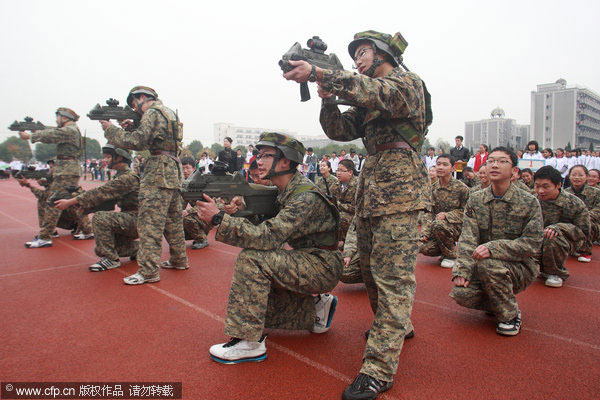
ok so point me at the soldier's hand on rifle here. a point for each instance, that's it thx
(105, 124)
(63, 204)
(24, 135)
(300, 73)
(23, 182)
(236, 204)
(207, 209)
(126, 124)
(324, 94)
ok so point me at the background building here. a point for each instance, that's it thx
(562, 115)
(496, 131)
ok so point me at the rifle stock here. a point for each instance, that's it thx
(28, 125)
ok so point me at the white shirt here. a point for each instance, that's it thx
(334, 164)
(562, 165)
(471, 162)
(248, 156)
(204, 163)
(571, 162)
(534, 156)
(430, 162)
(551, 162)
(16, 164)
(354, 159)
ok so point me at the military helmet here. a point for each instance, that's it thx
(68, 113)
(394, 46)
(140, 90)
(291, 148)
(111, 149)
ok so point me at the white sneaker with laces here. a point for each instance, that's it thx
(554, 281)
(238, 351)
(83, 236)
(447, 263)
(38, 243)
(325, 305)
(138, 279)
(104, 264)
(586, 258)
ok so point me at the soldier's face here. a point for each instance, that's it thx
(546, 190)
(483, 176)
(432, 173)
(527, 177)
(324, 168)
(593, 178)
(108, 159)
(256, 177)
(499, 167)
(577, 177)
(187, 170)
(443, 167)
(265, 160)
(363, 57)
(343, 174)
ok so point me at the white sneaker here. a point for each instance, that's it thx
(138, 279)
(104, 264)
(325, 305)
(586, 258)
(238, 351)
(38, 243)
(447, 263)
(83, 236)
(554, 281)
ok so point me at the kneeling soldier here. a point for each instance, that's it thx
(273, 287)
(115, 231)
(501, 236)
(193, 227)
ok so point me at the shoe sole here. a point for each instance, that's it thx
(88, 238)
(260, 358)
(37, 247)
(102, 269)
(151, 280)
(174, 267)
(553, 285)
(584, 260)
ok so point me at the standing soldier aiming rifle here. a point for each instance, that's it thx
(391, 114)
(159, 201)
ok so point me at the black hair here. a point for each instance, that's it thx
(548, 172)
(328, 164)
(50, 162)
(537, 146)
(519, 172)
(460, 137)
(188, 161)
(561, 149)
(594, 169)
(549, 150)
(309, 149)
(349, 164)
(528, 170)
(230, 140)
(485, 146)
(253, 165)
(587, 173)
(431, 148)
(255, 152)
(467, 169)
(513, 156)
(448, 156)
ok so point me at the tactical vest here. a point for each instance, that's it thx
(320, 239)
(174, 127)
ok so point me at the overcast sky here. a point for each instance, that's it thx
(218, 62)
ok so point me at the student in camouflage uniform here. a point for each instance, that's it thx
(159, 200)
(115, 231)
(498, 247)
(346, 193)
(441, 228)
(273, 287)
(516, 178)
(351, 273)
(527, 178)
(469, 178)
(67, 170)
(193, 227)
(591, 197)
(327, 182)
(484, 179)
(391, 115)
(566, 224)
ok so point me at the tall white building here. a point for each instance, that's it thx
(241, 135)
(561, 115)
(496, 131)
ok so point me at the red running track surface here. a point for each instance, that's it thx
(63, 323)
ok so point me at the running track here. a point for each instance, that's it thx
(63, 323)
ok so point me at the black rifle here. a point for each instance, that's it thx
(27, 125)
(315, 55)
(259, 199)
(113, 111)
(73, 191)
(32, 173)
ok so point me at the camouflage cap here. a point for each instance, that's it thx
(68, 113)
(394, 46)
(140, 90)
(112, 149)
(291, 148)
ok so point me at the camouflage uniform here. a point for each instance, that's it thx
(115, 231)
(329, 186)
(591, 198)
(67, 170)
(392, 188)
(511, 229)
(568, 216)
(443, 234)
(159, 199)
(273, 287)
(351, 273)
(346, 200)
(477, 187)
(521, 185)
(470, 182)
(193, 227)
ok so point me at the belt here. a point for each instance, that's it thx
(66, 158)
(165, 153)
(387, 146)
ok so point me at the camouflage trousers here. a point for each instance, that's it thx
(50, 216)
(352, 273)
(115, 233)
(274, 288)
(493, 287)
(159, 213)
(194, 228)
(556, 250)
(442, 239)
(585, 246)
(388, 246)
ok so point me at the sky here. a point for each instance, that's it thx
(217, 62)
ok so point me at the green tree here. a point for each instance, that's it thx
(426, 145)
(216, 148)
(92, 148)
(568, 147)
(45, 151)
(592, 146)
(15, 147)
(195, 147)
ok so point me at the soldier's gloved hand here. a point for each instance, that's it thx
(207, 209)
(481, 252)
(460, 281)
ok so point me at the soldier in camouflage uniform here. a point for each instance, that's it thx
(346, 193)
(469, 178)
(273, 287)
(351, 273)
(327, 182)
(516, 178)
(115, 231)
(441, 228)
(193, 227)
(591, 197)
(484, 179)
(566, 224)
(159, 200)
(497, 250)
(391, 114)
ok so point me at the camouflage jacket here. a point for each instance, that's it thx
(568, 214)
(394, 180)
(591, 197)
(351, 240)
(510, 227)
(330, 188)
(451, 200)
(68, 144)
(123, 188)
(477, 187)
(153, 134)
(521, 185)
(302, 217)
(346, 199)
(40, 194)
(470, 182)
